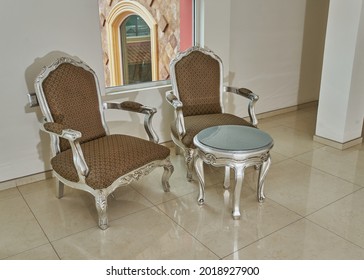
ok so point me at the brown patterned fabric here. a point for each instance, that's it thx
(71, 94)
(194, 124)
(198, 82)
(108, 158)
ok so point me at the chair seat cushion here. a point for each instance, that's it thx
(108, 158)
(194, 124)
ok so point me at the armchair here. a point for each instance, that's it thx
(196, 95)
(86, 156)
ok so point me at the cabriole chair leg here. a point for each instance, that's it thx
(59, 189)
(101, 207)
(168, 170)
(189, 157)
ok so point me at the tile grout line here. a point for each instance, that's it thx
(189, 233)
(40, 226)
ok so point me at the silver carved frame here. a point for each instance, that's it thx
(73, 136)
(173, 99)
(239, 161)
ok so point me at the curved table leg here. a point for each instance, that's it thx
(262, 174)
(239, 178)
(201, 179)
(227, 177)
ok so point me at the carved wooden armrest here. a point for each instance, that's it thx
(178, 106)
(61, 131)
(73, 136)
(247, 93)
(173, 100)
(136, 107)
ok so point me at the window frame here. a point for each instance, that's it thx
(117, 16)
(155, 84)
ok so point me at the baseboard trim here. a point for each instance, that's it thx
(26, 180)
(337, 145)
(287, 110)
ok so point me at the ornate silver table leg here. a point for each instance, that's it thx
(201, 178)
(239, 178)
(262, 174)
(227, 178)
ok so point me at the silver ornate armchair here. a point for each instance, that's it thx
(196, 95)
(86, 156)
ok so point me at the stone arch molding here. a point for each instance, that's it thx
(116, 17)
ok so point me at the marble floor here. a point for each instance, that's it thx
(313, 210)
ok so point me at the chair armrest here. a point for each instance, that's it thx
(247, 93)
(130, 106)
(178, 106)
(61, 131)
(173, 100)
(73, 136)
(33, 100)
(137, 108)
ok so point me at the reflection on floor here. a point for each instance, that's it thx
(314, 210)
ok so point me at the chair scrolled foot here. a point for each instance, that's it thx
(103, 224)
(101, 207)
(201, 201)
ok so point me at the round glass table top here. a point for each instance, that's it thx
(234, 138)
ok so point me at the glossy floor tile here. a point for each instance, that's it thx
(19, 230)
(304, 189)
(313, 210)
(301, 240)
(345, 217)
(148, 234)
(347, 164)
(212, 223)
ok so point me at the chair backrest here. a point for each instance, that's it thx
(68, 94)
(196, 76)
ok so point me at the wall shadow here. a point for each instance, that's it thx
(316, 16)
(30, 74)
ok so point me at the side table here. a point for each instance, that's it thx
(237, 147)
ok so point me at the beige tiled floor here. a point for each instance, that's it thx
(314, 210)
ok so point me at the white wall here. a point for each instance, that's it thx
(268, 48)
(33, 32)
(216, 29)
(259, 41)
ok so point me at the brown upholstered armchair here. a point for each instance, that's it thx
(86, 156)
(196, 95)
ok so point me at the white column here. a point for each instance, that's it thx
(341, 103)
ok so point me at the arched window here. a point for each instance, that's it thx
(135, 50)
(133, 46)
(124, 29)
